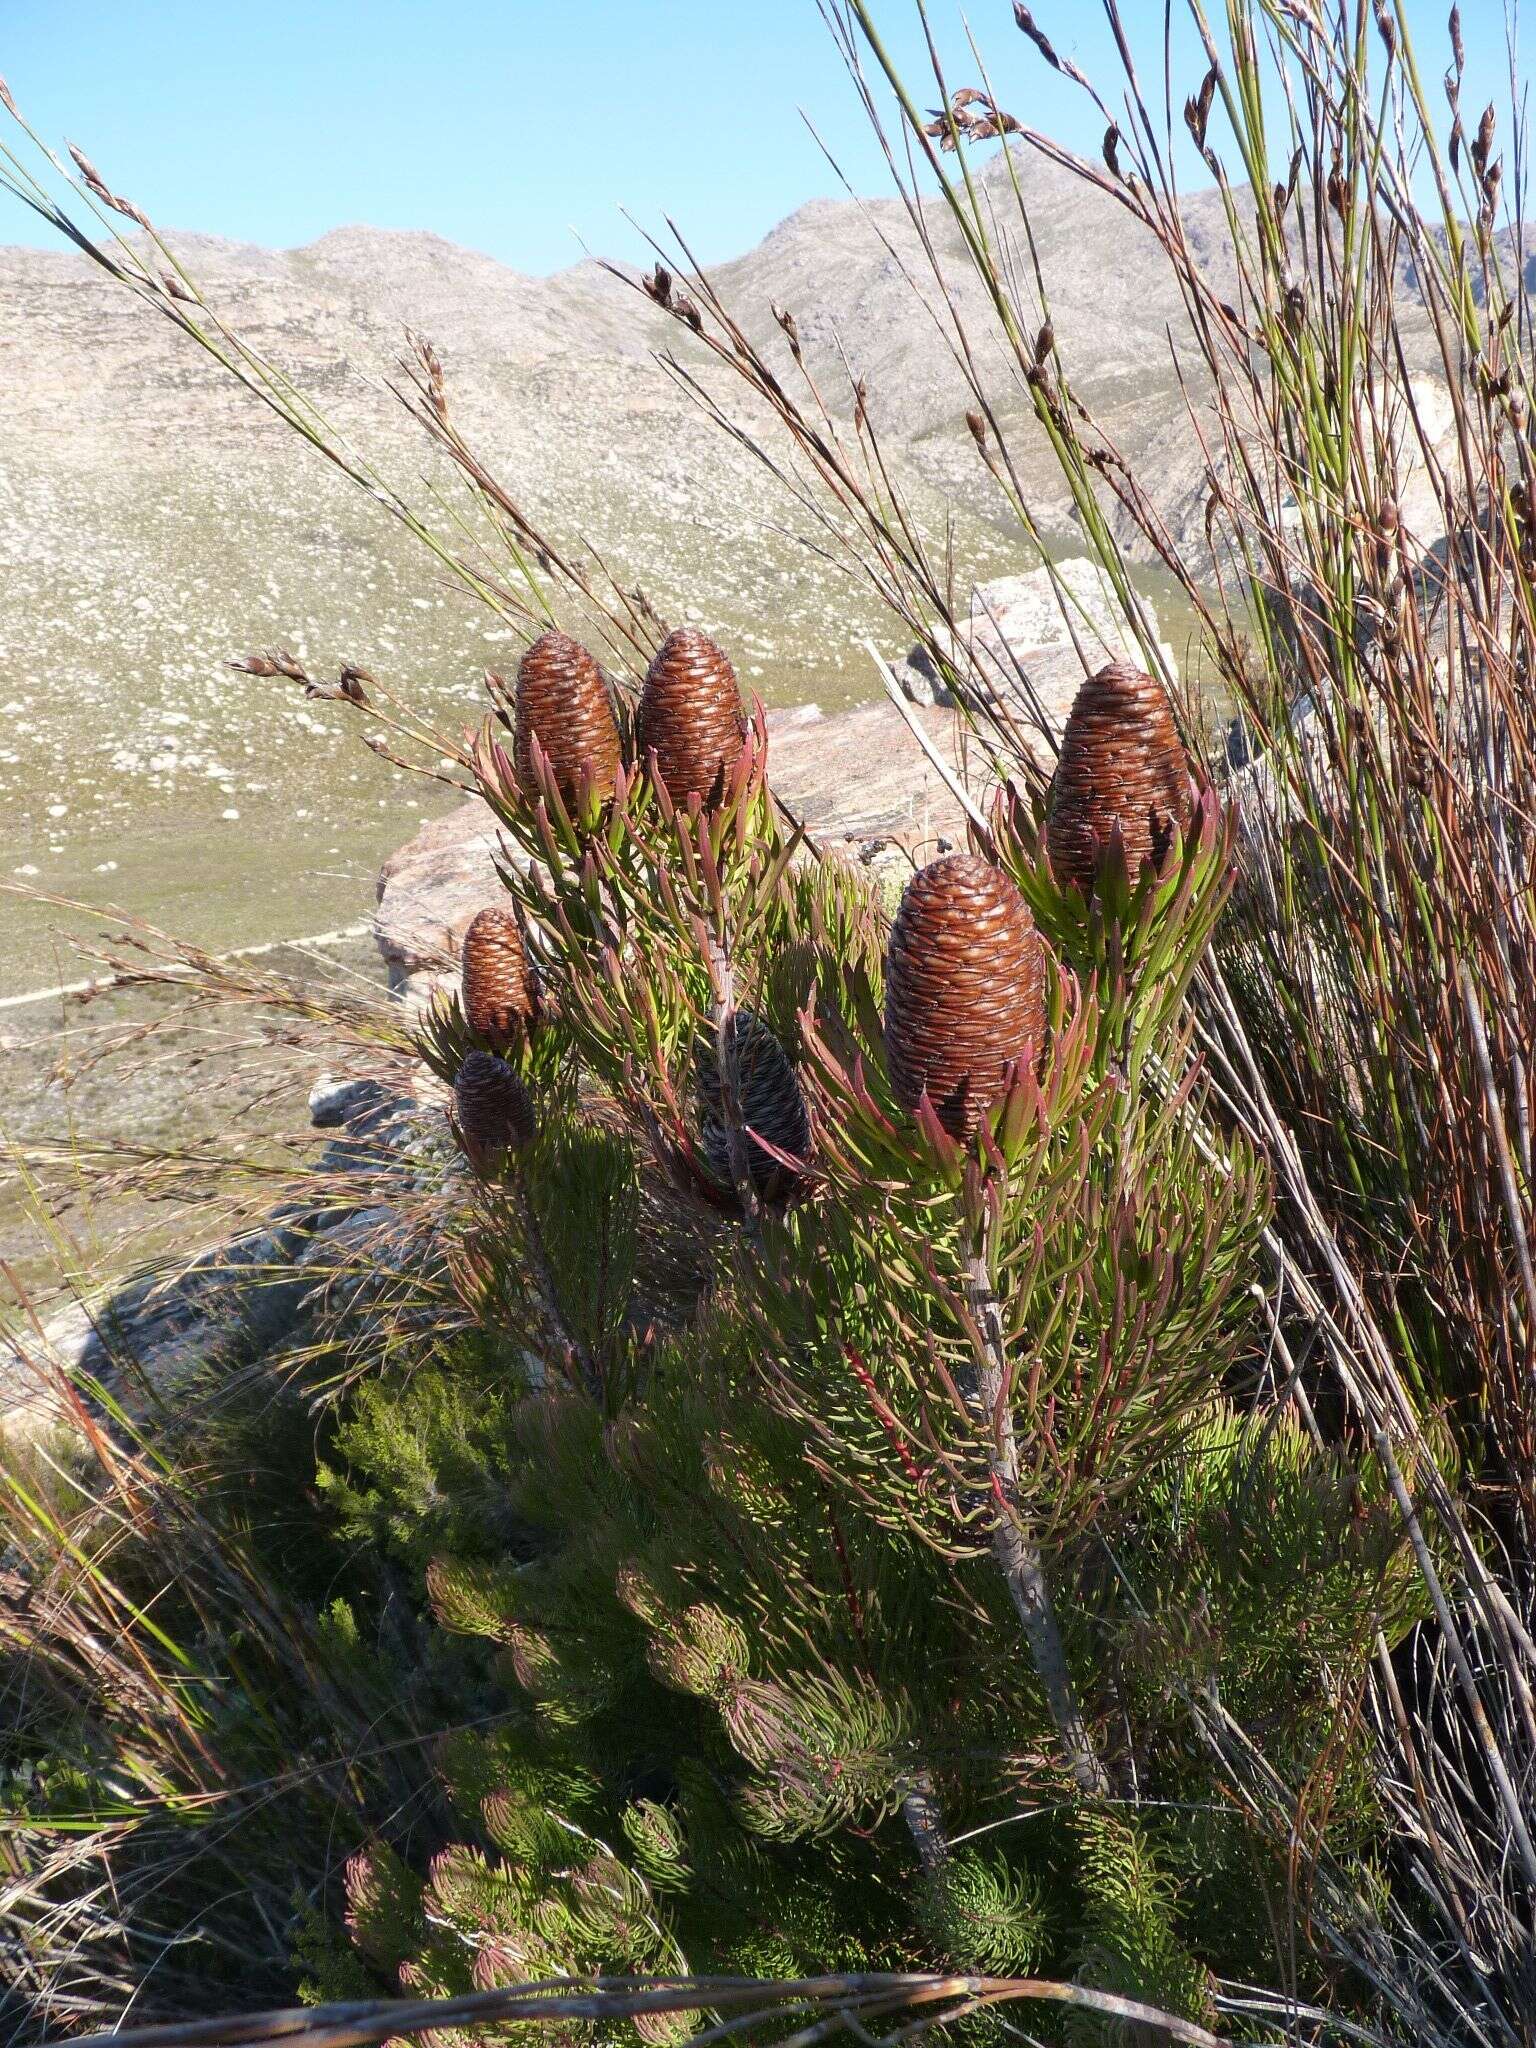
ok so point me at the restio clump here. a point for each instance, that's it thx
(1122, 764)
(964, 991)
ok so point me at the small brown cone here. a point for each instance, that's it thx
(691, 715)
(563, 702)
(772, 1106)
(1122, 764)
(492, 1110)
(499, 992)
(964, 989)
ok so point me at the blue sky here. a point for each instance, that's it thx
(507, 126)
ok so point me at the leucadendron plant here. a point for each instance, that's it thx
(1030, 1263)
(856, 1550)
(1062, 1253)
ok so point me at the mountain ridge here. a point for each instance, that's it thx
(155, 521)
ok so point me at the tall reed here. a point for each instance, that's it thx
(1370, 1004)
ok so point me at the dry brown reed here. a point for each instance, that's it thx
(874, 2009)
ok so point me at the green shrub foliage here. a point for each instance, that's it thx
(863, 1549)
(741, 1489)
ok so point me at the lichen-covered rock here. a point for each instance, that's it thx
(431, 889)
(1018, 626)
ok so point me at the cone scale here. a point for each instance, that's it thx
(690, 717)
(1122, 763)
(964, 990)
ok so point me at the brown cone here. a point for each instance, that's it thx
(690, 713)
(772, 1106)
(562, 701)
(1121, 763)
(497, 988)
(964, 989)
(492, 1108)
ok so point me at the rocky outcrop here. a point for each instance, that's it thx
(150, 1335)
(430, 889)
(1034, 635)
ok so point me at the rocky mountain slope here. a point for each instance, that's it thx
(154, 522)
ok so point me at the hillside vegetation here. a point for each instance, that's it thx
(840, 1442)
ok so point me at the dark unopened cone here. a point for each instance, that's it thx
(492, 1109)
(772, 1106)
(1122, 764)
(964, 990)
(563, 703)
(498, 991)
(691, 716)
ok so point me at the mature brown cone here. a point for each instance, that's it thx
(492, 1108)
(563, 702)
(499, 993)
(1121, 763)
(772, 1106)
(964, 989)
(690, 713)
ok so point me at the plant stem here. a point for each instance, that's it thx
(1018, 1559)
(548, 1294)
(728, 1067)
(924, 1816)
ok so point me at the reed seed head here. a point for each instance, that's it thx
(492, 1110)
(563, 702)
(1122, 764)
(964, 990)
(498, 989)
(771, 1103)
(691, 716)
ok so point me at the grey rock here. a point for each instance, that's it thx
(1262, 797)
(430, 889)
(144, 1338)
(333, 1102)
(1024, 643)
